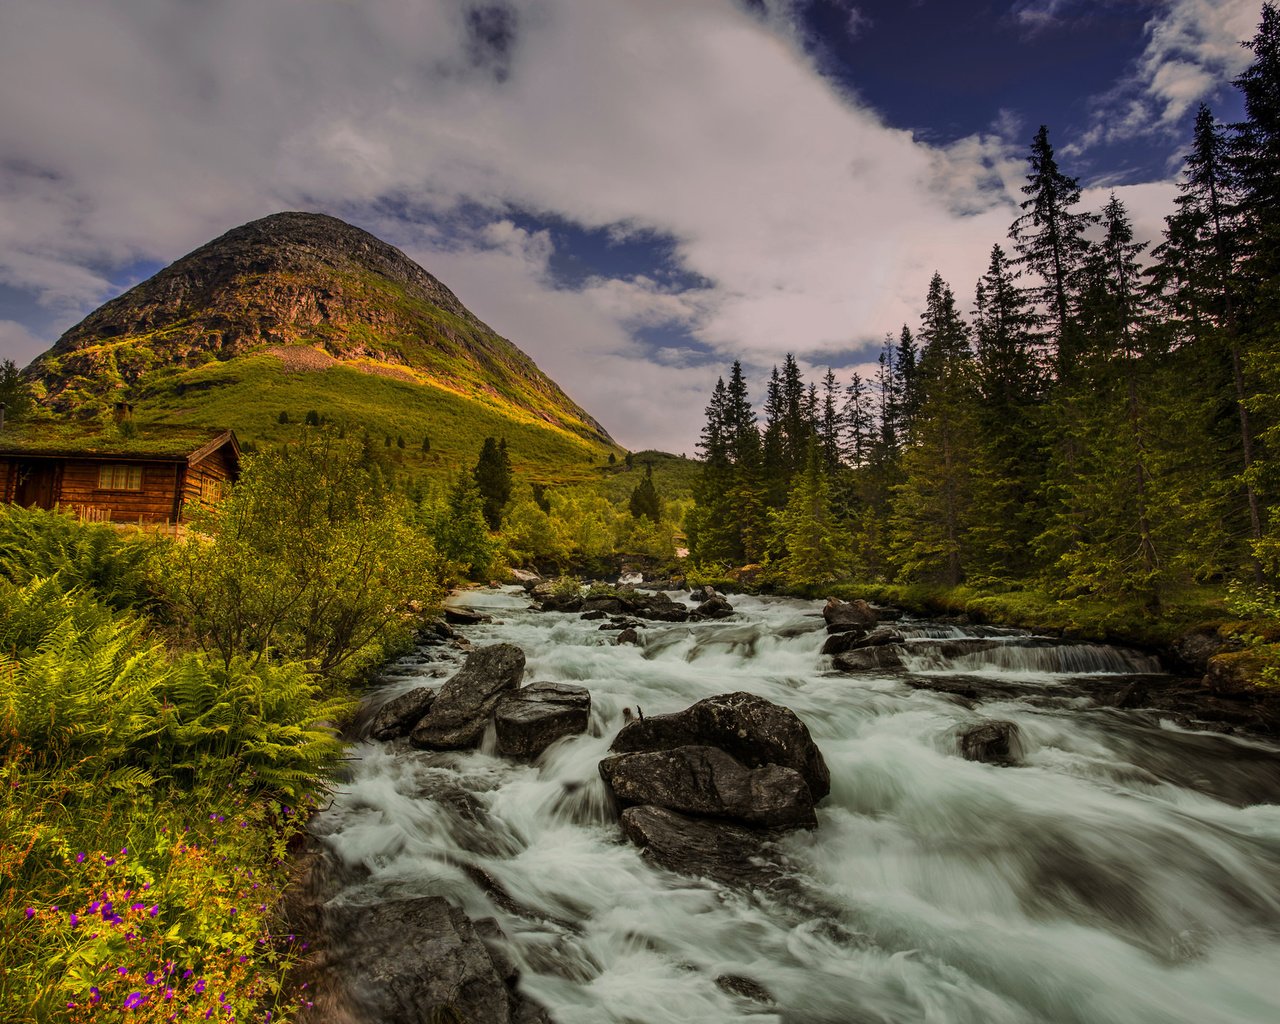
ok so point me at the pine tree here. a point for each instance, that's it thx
(807, 530)
(905, 379)
(15, 391)
(857, 423)
(645, 502)
(1050, 240)
(492, 476)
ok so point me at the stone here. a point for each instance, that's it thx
(755, 731)
(848, 614)
(714, 607)
(398, 716)
(593, 614)
(424, 960)
(628, 636)
(706, 781)
(561, 603)
(866, 658)
(995, 742)
(463, 707)
(535, 716)
(1194, 651)
(737, 985)
(603, 605)
(658, 607)
(465, 617)
(730, 854)
(856, 638)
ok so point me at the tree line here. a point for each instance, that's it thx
(1103, 420)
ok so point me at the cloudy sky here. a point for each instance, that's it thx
(635, 192)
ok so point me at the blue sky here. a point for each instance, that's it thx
(634, 193)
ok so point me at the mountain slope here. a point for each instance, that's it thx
(299, 312)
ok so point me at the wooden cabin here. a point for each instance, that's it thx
(120, 473)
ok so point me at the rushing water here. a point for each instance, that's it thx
(1127, 871)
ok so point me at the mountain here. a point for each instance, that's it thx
(299, 313)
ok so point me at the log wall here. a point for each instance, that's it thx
(154, 503)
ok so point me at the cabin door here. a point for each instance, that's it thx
(36, 484)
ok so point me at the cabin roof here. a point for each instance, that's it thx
(151, 443)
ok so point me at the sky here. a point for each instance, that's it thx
(635, 192)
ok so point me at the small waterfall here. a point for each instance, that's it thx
(1032, 657)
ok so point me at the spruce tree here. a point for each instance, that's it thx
(645, 502)
(807, 531)
(1050, 240)
(492, 476)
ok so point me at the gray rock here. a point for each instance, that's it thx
(397, 717)
(592, 614)
(658, 607)
(714, 607)
(603, 605)
(848, 615)
(708, 782)
(628, 636)
(462, 708)
(465, 617)
(995, 742)
(561, 603)
(853, 639)
(865, 658)
(736, 984)
(535, 716)
(424, 960)
(755, 731)
(718, 850)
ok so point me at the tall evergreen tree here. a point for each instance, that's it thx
(905, 377)
(807, 531)
(645, 502)
(829, 425)
(1050, 240)
(492, 477)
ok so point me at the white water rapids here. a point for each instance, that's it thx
(1126, 871)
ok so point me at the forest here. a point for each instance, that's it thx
(1100, 423)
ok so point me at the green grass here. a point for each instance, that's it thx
(674, 477)
(249, 393)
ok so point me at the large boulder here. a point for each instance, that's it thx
(755, 731)
(532, 718)
(995, 742)
(714, 607)
(718, 850)
(569, 603)
(658, 607)
(425, 960)
(708, 782)
(398, 716)
(462, 708)
(855, 639)
(465, 617)
(842, 616)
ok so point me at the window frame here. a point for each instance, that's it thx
(119, 476)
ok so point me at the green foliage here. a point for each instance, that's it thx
(493, 480)
(457, 527)
(15, 391)
(112, 564)
(644, 499)
(307, 559)
(807, 533)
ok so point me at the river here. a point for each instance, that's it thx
(1125, 871)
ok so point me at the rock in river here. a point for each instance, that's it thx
(535, 716)
(994, 742)
(706, 781)
(461, 711)
(753, 730)
(397, 717)
(713, 849)
(842, 616)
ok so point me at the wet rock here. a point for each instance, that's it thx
(854, 639)
(1233, 674)
(425, 960)
(603, 605)
(658, 607)
(465, 617)
(714, 607)
(397, 717)
(462, 708)
(993, 742)
(755, 731)
(1193, 652)
(568, 603)
(866, 658)
(628, 636)
(524, 578)
(737, 985)
(535, 716)
(593, 614)
(718, 850)
(436, 632)
(707, 781)
(842, 616)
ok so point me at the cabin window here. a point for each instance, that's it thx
(118, 476)
(210, 490)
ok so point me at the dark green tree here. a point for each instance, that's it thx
(492, 477)
(645, 502)
(1050, 239)
(15, 391)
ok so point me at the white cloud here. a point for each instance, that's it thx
(138, 129)
(18, 343)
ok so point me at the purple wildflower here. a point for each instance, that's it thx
(198, 988)
(133, 1000)
(94, 995)
(31, 912)
(151, 977)
(79, 858)
(75, 920)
